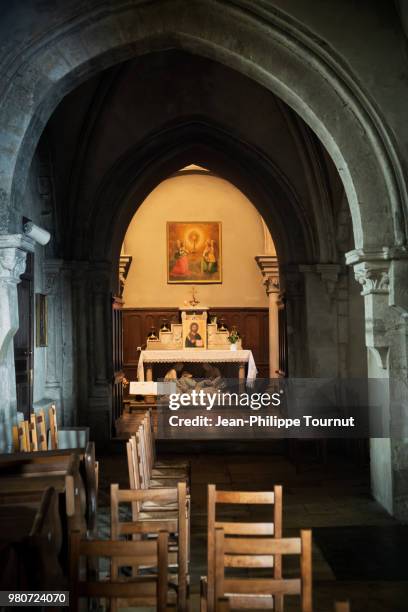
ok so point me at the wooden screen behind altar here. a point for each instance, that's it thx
(194, 252)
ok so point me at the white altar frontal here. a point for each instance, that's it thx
(243, 358)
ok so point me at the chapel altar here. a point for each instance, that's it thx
(196, 340)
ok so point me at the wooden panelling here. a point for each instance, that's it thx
(252, 324)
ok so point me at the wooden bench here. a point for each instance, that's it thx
(30, 544)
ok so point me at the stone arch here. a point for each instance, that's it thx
(283, 56)
(128, 183)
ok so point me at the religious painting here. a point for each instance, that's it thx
(194, 333)
(41, 320)
(194, 252)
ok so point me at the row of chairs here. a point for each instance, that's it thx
(36, 434)
(151, 566)
(155, 554)
(31, 435)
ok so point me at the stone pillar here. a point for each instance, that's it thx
(269, 267)
(53, 365)
(294, 290)
(92, 319)
(13, 251)
(321, 318)
(383, 276)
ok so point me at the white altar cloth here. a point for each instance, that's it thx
(196, 355)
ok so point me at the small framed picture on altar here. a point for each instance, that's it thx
(194, 333)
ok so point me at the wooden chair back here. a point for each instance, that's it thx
(33, 433)
(41, 430)
(178, 524)
(272, 528)
(24, 437)
(141, 591)
(260, 553)
(52, 415)
(16, 442)
(136, 480)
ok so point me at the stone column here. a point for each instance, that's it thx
(383, 276)
(92, 322)
(320, 318)
(269, 267)
(54, 357)
(13, 251)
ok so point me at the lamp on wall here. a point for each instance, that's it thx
(38, 234)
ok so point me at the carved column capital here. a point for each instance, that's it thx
(373, 270)
(373, 277)
(372, 267)
(52, 273)
(13, 252)
(268, 264)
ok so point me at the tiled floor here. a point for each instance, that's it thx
(321, 497)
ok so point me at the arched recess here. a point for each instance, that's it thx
(267, 46)
(128, 183)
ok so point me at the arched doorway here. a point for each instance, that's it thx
(368, 162)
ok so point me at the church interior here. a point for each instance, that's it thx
(205, 196)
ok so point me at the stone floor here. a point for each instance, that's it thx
(359, 550)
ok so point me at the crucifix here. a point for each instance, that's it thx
(194, 301)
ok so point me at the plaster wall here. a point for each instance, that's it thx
(195, 197)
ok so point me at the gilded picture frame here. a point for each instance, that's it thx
(194, 252)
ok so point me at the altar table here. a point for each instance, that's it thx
(242, 358)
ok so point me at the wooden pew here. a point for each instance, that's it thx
(177, 525)
(33, 533)
(139, 591)
(270, 528)
(42, 463)
(259, 553)
(24, 477)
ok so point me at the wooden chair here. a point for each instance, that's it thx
(137, 482)
(141, 463)
(174, 463)
(177, 525)
(33, 433)
(24, 443)
(342, 606)
(41, 430)
(139, 591)
(272, 528)
(146, 448)
(52, 416)
(254, 554)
